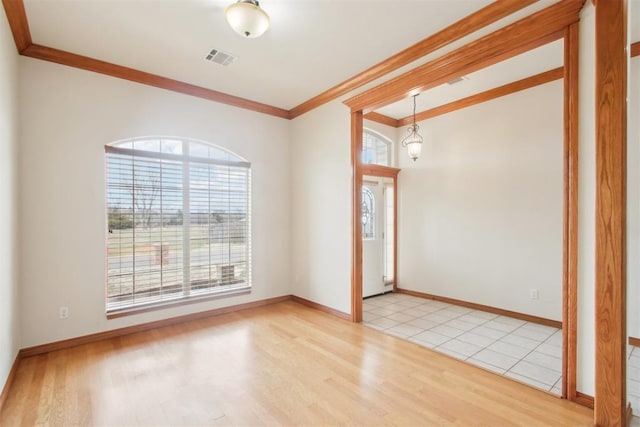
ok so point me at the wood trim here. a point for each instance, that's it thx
(17, 17)
(634, 341)
(395, 233)
(536, 30)
(570, 212)
(356, 210)
(381, 118)
(386, 172)
(635, 49)
(495, 310)
(7, 384)
(73, 342)
(611, 165)
(90, 64)
(584, 400)
(526, 83)
(483, 17)
(379, 170)
(18, 21)
(321, 307)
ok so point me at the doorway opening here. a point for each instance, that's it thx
(378, 235)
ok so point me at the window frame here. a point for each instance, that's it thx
(380, 139)
(190, 292)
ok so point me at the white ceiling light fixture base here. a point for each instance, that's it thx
(247, 18)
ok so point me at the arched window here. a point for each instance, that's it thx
(179, 222)
(375, 149)
(368, 214)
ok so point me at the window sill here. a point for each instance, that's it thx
(177, 302)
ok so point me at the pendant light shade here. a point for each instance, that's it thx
(414, 144)
(247, 18)
(413, 141)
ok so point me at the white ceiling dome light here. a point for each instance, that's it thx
(247, 18)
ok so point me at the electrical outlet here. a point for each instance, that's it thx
(63, 312)
(533, 293)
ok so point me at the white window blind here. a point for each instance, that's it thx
(179, 224)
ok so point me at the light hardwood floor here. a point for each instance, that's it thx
(283, 364)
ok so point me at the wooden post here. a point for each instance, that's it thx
(356, 251)
(611, 139)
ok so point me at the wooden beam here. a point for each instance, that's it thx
(529, 82)
(536, 30)
(635, 49)
(118, 71)
(356, 224)
(17, 17)
(381, 118)
(611, 165)
(485, 16)
(570, 214)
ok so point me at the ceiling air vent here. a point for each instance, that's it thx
(458, 80)
(220, 57)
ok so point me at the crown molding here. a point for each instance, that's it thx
(19, 25)
(90, 64)
(17, 17)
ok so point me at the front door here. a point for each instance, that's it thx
(373, 237)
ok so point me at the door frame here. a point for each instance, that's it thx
(359, 171)
(380, 172)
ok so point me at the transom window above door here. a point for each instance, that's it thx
(376, 149)
(178, 223)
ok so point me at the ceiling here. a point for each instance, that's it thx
(311, 46)
(533, 62)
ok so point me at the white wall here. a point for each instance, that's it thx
(586, 204)
(321, 203)
(480, 212)
(9, 314)
(67, 116)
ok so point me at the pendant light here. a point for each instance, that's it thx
(413, 141)
(247, 18)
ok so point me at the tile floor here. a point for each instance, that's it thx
(633, 380)
(525, 351)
